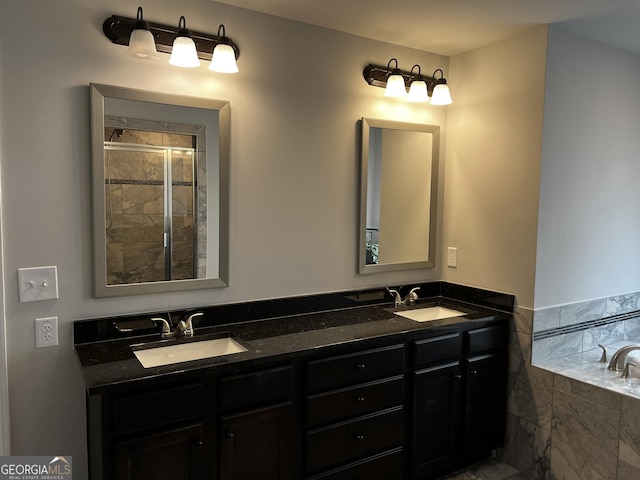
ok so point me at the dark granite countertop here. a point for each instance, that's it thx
(108, 363)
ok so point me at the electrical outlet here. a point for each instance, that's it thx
(46, 332)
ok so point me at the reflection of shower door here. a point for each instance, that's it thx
(150, 214)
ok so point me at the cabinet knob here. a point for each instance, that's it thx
(361, 366)
(360, 399)
(229, 435)
(359, 437)
(457, 376)
(473, 372)
(196, 444)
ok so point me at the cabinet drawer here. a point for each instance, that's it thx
(156, 408)
(349, 402)
(344, 442)
(489, 338)
(387, 465)
(335, 372)
(254, 389)
(437, 349)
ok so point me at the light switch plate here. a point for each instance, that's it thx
(452, 257)
(37, 283)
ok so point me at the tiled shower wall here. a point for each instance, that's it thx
(560, 428)
(135, 213)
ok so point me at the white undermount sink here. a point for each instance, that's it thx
(185, 352)
(428, 314)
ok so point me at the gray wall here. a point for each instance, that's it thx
(294, 174)
(588, 231)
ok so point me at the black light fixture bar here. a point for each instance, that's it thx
(118, 30)
(377, 75)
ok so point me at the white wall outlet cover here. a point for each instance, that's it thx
(37, 283)
(46, 332)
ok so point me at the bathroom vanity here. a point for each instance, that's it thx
(335, 386)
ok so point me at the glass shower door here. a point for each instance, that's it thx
(149, 213)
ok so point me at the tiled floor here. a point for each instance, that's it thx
(488, 470)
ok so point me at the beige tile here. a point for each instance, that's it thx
(627, 472)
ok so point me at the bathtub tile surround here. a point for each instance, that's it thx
(567, 330)
(594, 431)
(583, 449)
(529, 403)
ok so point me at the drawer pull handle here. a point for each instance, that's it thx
(360, 399)
(359, 437)
(361, 366)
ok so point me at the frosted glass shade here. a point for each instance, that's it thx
(224, 59)
(441, 95)
(418, 91)
(142, 45)
(184, 54)
(395, 87)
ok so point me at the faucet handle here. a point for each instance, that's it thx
(626, 373)
(166, 328)
(603, 358)
(413, 296)
(188, 323)
(397, 298)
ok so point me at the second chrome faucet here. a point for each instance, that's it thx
(410, 299)
(184, 328)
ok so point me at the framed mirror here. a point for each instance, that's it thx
(398, 195)
(160, 167)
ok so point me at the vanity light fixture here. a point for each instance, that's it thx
(224, 58)
(441, 94)
(184, 53)
(395, 82)
(418, 88)
(120, 30)
(141, 42)
(380, 76)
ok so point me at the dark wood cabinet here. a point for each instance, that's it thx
(174, 454)
(355, 402)
(257, 444)
(485, 404)
(413, 406)
(459, 397)
(437, 418)
(255, 433)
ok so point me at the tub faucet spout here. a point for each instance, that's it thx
(617, 361)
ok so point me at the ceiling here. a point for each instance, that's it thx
(449, 27)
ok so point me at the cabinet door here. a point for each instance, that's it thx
(437, 418)
(257, 444)
(486, 398)
(172, 455)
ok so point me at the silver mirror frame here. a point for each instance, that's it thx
(100, 287)
(367, 124)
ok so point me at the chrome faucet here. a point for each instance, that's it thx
(617, 361)
(408, 300)
(184, 328)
